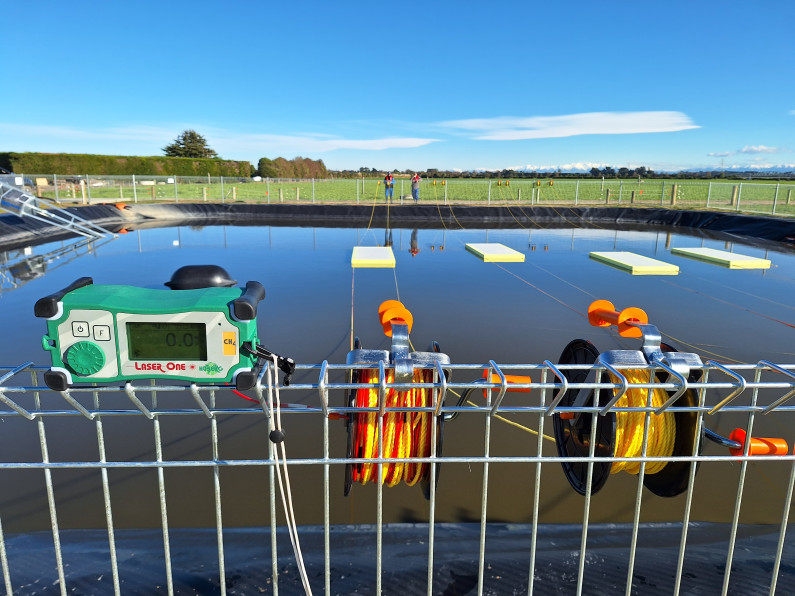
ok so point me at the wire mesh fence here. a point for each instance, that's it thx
(92, 449)
(757, 197)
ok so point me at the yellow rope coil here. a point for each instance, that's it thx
(630, 426)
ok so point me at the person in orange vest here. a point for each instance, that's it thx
(389, 186)
(415, 187)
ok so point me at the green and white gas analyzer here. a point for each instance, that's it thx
(108, 333)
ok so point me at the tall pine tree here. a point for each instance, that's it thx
(189, 144)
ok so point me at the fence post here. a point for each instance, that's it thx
(88, 190)
(488, 200)
(519, 195)
(297, 193)
(234, 193)
(313, 190)
(674, 190)
(620, 190)
(789, 195)
(357, 191)
(577, 192)
(135, 190)
(268, 189)
(83, 190)
(775, 198)
(445, 191)
(662, 193)
(222, 189)
(55, 182)
(204, 194)
(632, 198)
(709, 193)
(176, 194)
(281, 195)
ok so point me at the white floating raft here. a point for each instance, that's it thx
(724, 258)
(635, 264)
(373, 256)
(494, 252)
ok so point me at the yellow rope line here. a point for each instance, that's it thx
(630, 426)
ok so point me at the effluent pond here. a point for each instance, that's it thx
(316, 303)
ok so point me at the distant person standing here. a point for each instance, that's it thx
(415, 187)
(389, 186)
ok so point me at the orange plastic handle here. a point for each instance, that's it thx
(602, 313)
(392, 310)
(495, 378)
(759, 446)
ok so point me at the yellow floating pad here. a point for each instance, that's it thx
(722, 257)
(635, 264)
(494, 252)
(373, 256)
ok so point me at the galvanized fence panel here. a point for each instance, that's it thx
(28, 409)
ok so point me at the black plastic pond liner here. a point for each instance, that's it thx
(15, 231)
(353, 560)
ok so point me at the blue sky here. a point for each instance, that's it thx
(410, 85)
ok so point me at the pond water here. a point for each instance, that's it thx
(506, 312)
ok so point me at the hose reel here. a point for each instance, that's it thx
(678, 430)
(404, 431)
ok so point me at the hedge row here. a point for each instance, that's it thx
(120, 165)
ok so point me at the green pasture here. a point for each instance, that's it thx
(756, 197)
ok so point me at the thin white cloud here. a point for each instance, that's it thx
(317, 143)
(749, 150)
(544, 127)
(222, 141)
(759, 149)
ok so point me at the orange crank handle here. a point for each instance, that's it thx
(602, 313)
(759, 445)
(511, 379)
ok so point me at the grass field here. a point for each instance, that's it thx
(756, 197)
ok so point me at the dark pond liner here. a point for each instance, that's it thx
(15, 231)
(405, 558)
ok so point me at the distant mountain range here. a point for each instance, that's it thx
(576, 168)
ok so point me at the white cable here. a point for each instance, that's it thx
(286, 495)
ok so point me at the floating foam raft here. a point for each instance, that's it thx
(494, 252)
(635, 264)
(721, 257)
(373, 256)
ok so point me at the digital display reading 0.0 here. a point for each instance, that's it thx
(167, 341)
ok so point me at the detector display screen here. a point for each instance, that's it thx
(167, 341)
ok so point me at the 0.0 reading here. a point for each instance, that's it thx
(167, 341)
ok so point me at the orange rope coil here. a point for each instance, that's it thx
(406, 434)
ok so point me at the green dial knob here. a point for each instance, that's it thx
(85, 358)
